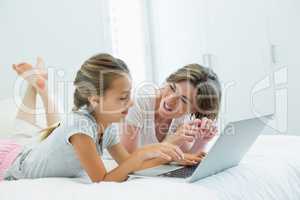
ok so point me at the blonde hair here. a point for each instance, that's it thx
(93, 78)
(206, 82)
(47, 131)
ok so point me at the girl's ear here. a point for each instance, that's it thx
(94, 101)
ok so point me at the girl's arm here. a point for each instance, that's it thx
(91, 162)
(120, 155)
(189, 160)
(86, 151)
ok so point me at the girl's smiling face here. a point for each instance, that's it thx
(114, 104)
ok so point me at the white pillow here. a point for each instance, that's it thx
(7, 115)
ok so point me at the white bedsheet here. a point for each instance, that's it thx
(64, 189)
(271, 170)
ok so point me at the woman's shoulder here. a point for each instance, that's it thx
(144, 98)
(143, 108)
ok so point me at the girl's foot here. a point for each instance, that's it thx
(36, 76)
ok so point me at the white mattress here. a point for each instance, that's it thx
(271, 170)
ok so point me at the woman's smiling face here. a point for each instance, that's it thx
(177, 99)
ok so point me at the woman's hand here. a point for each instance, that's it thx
(194, 136)
(207, 129)
(185, 133)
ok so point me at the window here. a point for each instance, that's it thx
(129, 36)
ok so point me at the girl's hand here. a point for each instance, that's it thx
(163, 150)
(208, 129)
(191, 159)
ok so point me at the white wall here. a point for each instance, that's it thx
(176, 35)
(129, 37)
(64, 32)
(184, 30)
(284, 17)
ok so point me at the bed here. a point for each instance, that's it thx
(269, 171)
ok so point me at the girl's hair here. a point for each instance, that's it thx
(94, 77)
(208, 87)
(47, 131)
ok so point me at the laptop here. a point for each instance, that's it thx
(233, 143)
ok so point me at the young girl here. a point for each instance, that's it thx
(26, 128)
(102, 96)
(182, 112)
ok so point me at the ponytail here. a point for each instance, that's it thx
(47, 131)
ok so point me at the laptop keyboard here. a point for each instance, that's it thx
(181, 173)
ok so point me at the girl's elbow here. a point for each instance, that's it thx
(97, 179)
(131, 149)
(109, 179)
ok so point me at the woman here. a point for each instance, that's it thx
(182, 112)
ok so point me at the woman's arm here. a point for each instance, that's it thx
(184, 136)
(87, 153)
(129, 137)
(198, 146)
(119, 153)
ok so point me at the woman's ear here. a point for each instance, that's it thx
(94, 101)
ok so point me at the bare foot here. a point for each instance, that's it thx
(36, 76)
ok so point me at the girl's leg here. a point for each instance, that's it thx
(29, 102)
(51, 109)
(34, 76)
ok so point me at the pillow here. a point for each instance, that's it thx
(7, 115)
